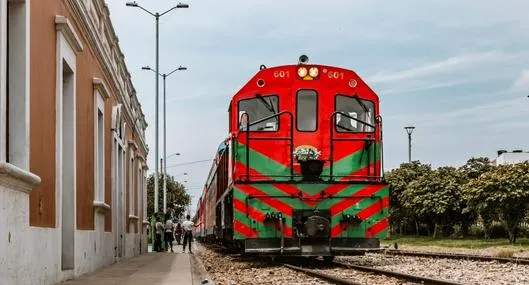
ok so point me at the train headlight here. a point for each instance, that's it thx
(314, 72)
(302, 72)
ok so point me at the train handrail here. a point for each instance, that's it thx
(291, 139)
(368, 139)
(378, 120)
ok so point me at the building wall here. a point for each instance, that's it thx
(512, 158)
(42, 126)
(75, 36)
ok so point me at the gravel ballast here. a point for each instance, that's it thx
(234, 269)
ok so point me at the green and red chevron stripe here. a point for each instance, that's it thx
(252, 202)
(355, 163)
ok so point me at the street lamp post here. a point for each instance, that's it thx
(157, 17)
(164, 76)
(409, 130)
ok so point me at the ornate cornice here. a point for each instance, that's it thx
(100, 86)
(94, 39)
(62, 24)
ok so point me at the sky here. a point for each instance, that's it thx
(457, 70)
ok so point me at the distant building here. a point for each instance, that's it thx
(72, 144)
(511, 157)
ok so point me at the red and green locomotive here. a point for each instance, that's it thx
(301, 172)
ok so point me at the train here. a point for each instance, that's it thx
(301, 171)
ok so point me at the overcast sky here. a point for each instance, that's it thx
(458, 70)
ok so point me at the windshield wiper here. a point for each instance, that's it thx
(366, 109)
(268, 106)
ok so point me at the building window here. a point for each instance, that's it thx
(140, 188)
(144, 196)
(66, 139)
(99, 146)
(131, 186)
(3, 81)
(14, 97)
(100, 156)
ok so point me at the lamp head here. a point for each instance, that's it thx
(132, 4)
(409, 129)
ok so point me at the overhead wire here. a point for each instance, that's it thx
(190, 162)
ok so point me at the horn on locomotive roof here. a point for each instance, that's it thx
(303, 59)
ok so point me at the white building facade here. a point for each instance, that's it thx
(511, 157)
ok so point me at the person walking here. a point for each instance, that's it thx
(188, 233)
(159, 232)
(169, 232)
(178, 233)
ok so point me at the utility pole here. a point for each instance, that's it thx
(157, 16)
(409, 130)
(165, 157)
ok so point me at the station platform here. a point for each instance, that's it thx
(156, 268)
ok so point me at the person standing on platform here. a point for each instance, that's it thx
(158, 238)
(169, 232)
(188, 233)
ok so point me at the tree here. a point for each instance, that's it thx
(399, 179)
(177, 197)
(435, 196)
(505, 191)
(473, 169)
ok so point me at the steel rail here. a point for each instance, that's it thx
(519, 260)
(408, 277)
(323, 276)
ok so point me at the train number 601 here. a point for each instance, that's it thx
(335, 75)
(281, 74)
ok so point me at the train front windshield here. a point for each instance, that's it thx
(360, 109)
(256, 109)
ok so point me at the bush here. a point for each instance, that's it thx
(476, 231)
(523, 231)
(497, 230)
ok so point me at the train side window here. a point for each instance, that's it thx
(307, 110)
(360, 109)
(259, 108)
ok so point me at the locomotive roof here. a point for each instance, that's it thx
(271, 74)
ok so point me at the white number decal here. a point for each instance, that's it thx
(335, 75)
(281, 74)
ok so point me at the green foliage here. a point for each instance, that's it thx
(502, 192)
(434, 195)
(177, 197)
(475, 167)
(399, 179)
(450, 201)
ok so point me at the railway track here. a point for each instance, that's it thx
(341, 281)
(350, 272)
(518, 260)
(322, 276)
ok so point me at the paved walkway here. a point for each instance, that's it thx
(150, 268)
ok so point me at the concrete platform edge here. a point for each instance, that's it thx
(199, 272)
